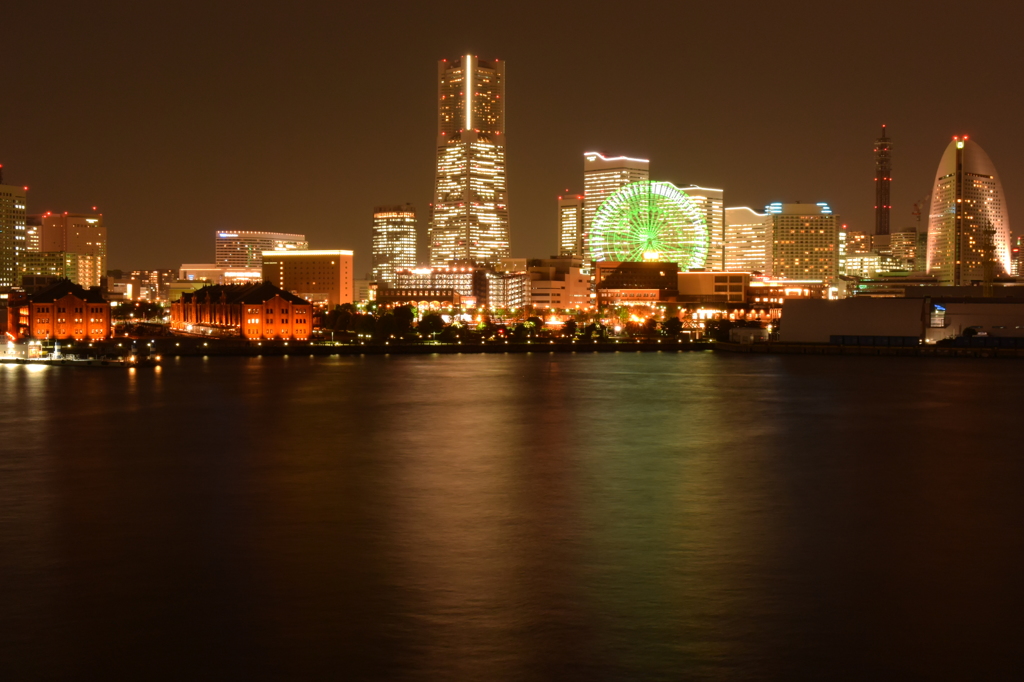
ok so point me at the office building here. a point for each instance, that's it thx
(623, 284)
(470, 221)
(570, 226)
(12, 231)
(78, 233)
(323, 277)
(711, 204)
(969, 225)
(603, 176)
(251, 311)
(713, 287)
(394, 241)
(215, 274)
(559, 284)
(748, 241)
(33, 233)
(883, 183)
(805, 241)
(76, 267)
(241, 249)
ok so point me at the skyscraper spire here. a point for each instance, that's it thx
(883, 180)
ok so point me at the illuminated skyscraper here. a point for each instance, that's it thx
(748, 241)
(570, 226)
(394, 241)
(712, 204)
(969, 226)
(12, 232)
(805, 241)
(883, 181)
(602, 177)
(77, 233)
(244, 249)
(470, 214)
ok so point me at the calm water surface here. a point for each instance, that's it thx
(521, 517)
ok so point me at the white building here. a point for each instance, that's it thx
(805, 241)
(712, 204)
(570, 226)
(602, 177)
(394, 241)
(748, 240)
(244, 249)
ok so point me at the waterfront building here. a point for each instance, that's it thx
(618, 284)
(603, 176)
(63, 310)
(241, 250)
(713, 287)
(570, 226)
(215, 274)
(394, 241)
(252, 311)
(469, 281)
(969, 225)
(883, 183)
(805, 241)
(711, 203)
(78, 233)
(470, 220)
(559, 284)
(508, 290)
(12, 232)
(321, 276)
(748, 241)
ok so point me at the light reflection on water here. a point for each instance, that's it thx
(626, 516)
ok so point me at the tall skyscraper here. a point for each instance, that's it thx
(602, 177)
(883, 182)
(570, 226)
(394, 241)
(748, 241)
(712, 204)
(470, 213)
(12, 231)
(82, 234)
(969, 225)
(805, 241)
(245, 249)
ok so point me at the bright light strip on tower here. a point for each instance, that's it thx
(614, 158)
(469, 92)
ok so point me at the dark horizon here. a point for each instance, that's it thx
(180, 121)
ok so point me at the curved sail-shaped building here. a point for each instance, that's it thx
(969, 226)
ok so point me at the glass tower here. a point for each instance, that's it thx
(470, 212)
(394, 241)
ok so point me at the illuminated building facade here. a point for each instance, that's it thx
(321, 276)
(252, 311)
(62, 310)
(969, 225)
(805, 241)
(857, 242)
(469, 282)
(883, 183)
(559, 284)
(214, 274)
(470, 220)
(711, 203)
(635, 283)
(570, 226)
(245, 249)
(603, 176)
(78, 233)
(12, 232)
(748, 241)
(394, 241)
(79, 268)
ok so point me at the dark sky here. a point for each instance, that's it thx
(177, 119)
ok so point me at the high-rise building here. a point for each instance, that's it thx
(77, 233)
(805, 241)
(394, 241)
(470, 220)
(969, 225)
(602, 177)
(243, 249)
(12, 231)
(712, 204)
(883, 182)
(570, 226)
(33, 233)
(748, 241)
(320, 276)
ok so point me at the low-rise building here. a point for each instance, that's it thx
(323, 277)
(559, 284)
(632, 283)
(63, 310)
(252, 311)
(713, 287)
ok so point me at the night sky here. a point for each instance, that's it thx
(178, 119)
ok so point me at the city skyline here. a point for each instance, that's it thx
(127, 160)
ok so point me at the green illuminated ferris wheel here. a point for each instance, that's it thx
(650, 221)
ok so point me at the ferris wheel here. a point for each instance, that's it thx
(650, 221)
